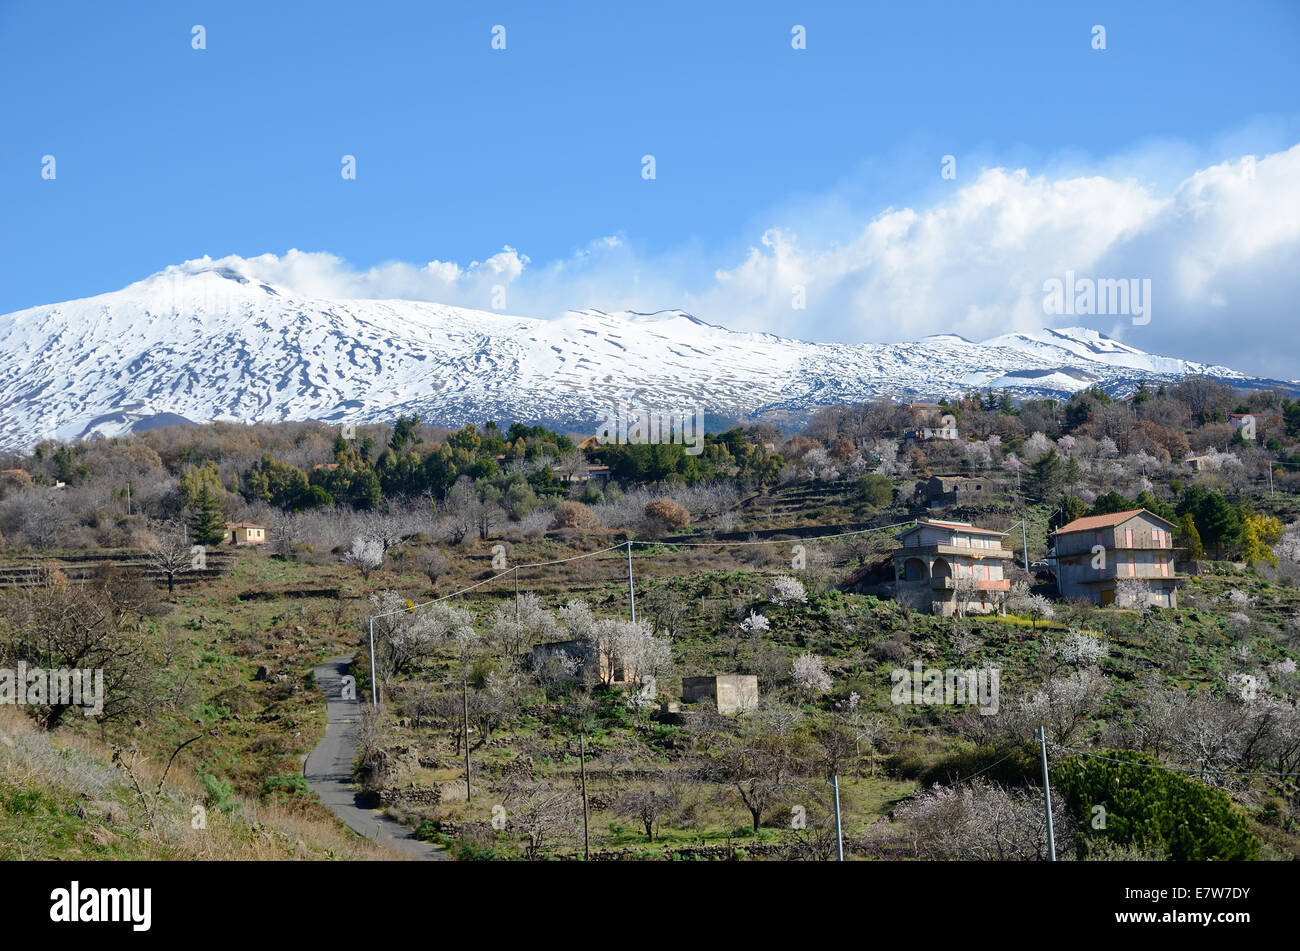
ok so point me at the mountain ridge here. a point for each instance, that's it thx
(209, 342)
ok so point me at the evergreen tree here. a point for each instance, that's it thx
(1152, 808)
(1046, 473)
(207, 518)
(1217, 521)
(1189, 538)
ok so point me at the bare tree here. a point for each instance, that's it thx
(169, 552)
(977, 821)
(94, 629)
(540, 812)
(648, 804)
(433, 564)
(762, 762)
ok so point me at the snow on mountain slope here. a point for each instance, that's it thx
(197, 343)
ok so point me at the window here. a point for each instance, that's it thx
(1128, 538)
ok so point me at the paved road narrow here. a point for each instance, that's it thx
(328, 769)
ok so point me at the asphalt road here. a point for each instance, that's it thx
(328, 769)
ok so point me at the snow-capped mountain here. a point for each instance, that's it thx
(199, 343)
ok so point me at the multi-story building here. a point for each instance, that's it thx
(1124, 557)
(954, 567)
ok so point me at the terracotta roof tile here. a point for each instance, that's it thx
(1091, 523)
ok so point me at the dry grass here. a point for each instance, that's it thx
(63, 798)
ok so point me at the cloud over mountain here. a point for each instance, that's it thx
(1222, 250)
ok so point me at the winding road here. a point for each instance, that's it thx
(328, 769)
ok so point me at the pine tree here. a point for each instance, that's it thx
(1149, 807)
(1190, 538)
(207, 518)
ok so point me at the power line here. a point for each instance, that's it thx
(479, 584)
(622, 545)
(1171, 769)
(775, 541)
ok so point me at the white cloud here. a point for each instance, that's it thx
(1221, 250)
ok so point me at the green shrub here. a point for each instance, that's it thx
(218, 793)
(289, 787)
(1152, 809)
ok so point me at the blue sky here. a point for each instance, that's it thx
(770, 161)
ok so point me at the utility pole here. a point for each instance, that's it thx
(128, 492)
(582, 766)
(1047, 795)
(631, 592)
(1270, 481)
(464, 699)
(516, 594)
(374, 684)
(839, 828)
(1024, 541)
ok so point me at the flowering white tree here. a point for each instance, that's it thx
(643, 654)
(367, 554)
(886, 450)
(1239, 598)
(1012, 464)
(1036, 446)
(1065, 444)
(978, 454)
(1220, 461)
(408, 635)
(1289, 546)
(810, 675)
(788, 590)
(1133, 591)
(1080, 648)
(1036, 606)
(815, 461)
(515, 630)
(576, 618)
(755, 623)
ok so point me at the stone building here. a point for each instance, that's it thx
(954, 490)
(589, 663)
(730, 693)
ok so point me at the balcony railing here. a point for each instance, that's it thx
(979, 584)
(960, 551)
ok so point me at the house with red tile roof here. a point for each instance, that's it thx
(954, 567)
(1124, 558)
